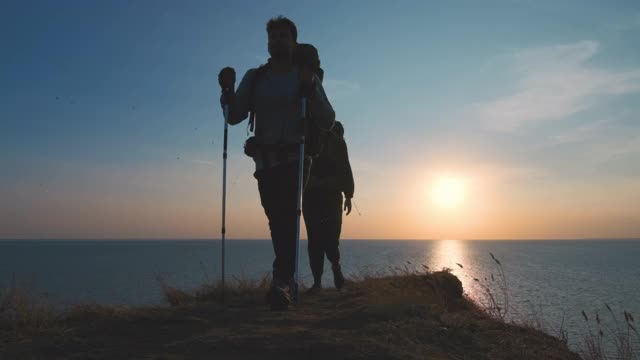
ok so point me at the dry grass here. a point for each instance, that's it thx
(440, 291)
(382, 293)
(535, 319)
(22, 312)
(612, 339)
(406, 314)
(81, 312)
(239, 289)
(494, 297)
(619, 341)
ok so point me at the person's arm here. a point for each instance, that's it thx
(347, 179)
(320, 108)
(239, 109)
(348, 185)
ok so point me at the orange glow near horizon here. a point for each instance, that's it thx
(444, 200)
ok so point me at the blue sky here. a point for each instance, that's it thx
(111, 126)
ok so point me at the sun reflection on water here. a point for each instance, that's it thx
(452, 254)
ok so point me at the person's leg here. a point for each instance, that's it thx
(278, 195)
(333, 230)
(312, 204)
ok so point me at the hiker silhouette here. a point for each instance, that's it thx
(322, 205)
(273, 94)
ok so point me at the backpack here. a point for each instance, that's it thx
(304, 55)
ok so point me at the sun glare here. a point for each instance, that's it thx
(448, 192)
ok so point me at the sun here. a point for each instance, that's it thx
(448, 192)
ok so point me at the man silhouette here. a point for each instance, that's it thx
(275, 98)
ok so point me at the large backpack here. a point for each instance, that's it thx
(305, 55)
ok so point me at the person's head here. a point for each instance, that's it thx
(338, 129)
(283, 36)
(307, 55)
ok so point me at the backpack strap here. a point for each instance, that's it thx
(252, 94)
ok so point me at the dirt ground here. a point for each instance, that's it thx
(410, 317)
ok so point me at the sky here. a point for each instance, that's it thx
(110, 125)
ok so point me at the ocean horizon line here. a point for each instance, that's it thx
(350, 239)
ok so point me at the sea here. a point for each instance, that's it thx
(544, 283)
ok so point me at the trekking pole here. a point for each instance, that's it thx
(224, 189)
(356, 205)
(299, 199)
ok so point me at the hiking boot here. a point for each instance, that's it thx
(279, 296)
(314, 289)
(338, 277)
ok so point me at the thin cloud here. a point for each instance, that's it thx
(499, 173)
(620, 148)
(554, 82)
(582, 133)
